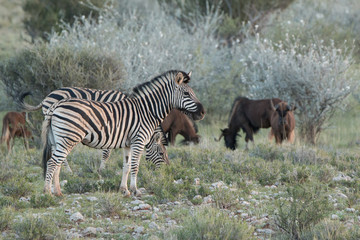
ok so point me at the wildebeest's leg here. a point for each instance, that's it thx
(136, 151)
(271, 135)
(291, 136)
(105, 156)
(126, 170)
(249, 134)
(278, 138)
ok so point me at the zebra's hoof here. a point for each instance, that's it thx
(125, 193)
(137, 193)
(59, 194)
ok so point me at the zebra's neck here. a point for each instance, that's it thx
(154, 99)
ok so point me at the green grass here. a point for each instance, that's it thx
(247, 174)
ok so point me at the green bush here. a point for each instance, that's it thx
(47, 67)
(43, 16)
(224, 198)
(111, 205)
(303, 208)
(35, 227)
(6, 217)
(42, 201)
(211, 223)
(16, 188)
(79, 185)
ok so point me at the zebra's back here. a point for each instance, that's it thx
(81, 93)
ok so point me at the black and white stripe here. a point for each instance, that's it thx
(55, 96)
(127, 124)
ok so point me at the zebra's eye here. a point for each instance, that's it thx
(186, 94)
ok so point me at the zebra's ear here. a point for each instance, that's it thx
(179, 78)
(157, 138)
(189, 74)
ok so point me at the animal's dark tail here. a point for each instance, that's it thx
(45, 136)
(25, 106)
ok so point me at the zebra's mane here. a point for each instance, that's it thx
(167, 75)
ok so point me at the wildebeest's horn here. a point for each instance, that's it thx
(272, 105)
(222, 134)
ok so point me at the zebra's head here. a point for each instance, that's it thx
(185, 99)
(156, 151)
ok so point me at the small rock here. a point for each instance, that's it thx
(24, 199)
(139, 229)
(350, 210)
(154, 216)
(143, 206)
(143, 190)
(342, 177)
(89, 231)
(196, 181)
(197, 197)
(99, 229)
(267, 231)
(153, 225)
(244, 215)
(77, 217)
(208, 199)
(219, 184)
(334, 217)
(92, 199)
(179, 181)
(137, 202)
(341, 195)
(63, 182)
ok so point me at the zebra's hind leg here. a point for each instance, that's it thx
(105, 156)
(126, 169)
(66, 164)
(57, 190)
(53, 165)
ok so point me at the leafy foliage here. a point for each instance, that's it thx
(314, 77)
(305, 207)
(210, 223)
(44, 16)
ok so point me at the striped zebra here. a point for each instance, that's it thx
(156, 157)
(127, 124)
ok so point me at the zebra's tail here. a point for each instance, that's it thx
(45, 137)
(25, 106)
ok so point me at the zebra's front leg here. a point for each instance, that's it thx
(136, 152)
(126, 169)
(105, 156)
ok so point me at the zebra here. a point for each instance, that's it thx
(55, 96)
(127, 124)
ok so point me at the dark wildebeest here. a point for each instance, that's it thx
(248, 115)
(14, 126)
(282, 123)
(178, 123)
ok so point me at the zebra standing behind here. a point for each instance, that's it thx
(154, 153)
(127, 124)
